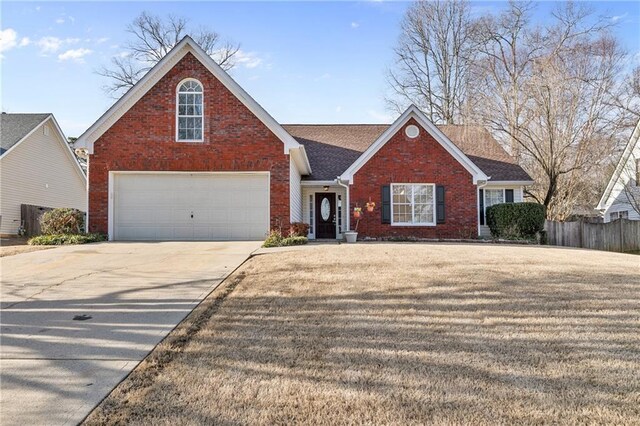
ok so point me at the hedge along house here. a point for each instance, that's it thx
(187, 154)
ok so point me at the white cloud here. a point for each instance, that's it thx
(51, 44)
(102, 40)
(339, 108)
(60, 21)
(8, 39)
(37, 8)
(616, 18)
(247, 59)
(355, 24)
(380, 116)
(123, 54)
(324, 76)
(76, 55)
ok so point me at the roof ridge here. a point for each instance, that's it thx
(26, 113)
(336, 124)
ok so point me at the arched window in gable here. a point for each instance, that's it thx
(190, 112)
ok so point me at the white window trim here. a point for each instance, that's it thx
(312, 216)
(178, 111)
(433, 185)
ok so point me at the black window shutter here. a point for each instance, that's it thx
(386, 204)
(440, 204)
(508, 195)
(481, 206)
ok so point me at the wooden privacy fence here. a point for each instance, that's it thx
(622, 235)
(30, 216)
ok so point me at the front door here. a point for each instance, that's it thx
(325, 215)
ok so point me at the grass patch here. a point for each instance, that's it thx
(65, 239)
(401, 334)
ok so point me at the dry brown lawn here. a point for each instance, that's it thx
(401, 334)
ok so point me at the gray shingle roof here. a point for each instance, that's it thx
(14, 127)
(332, 148)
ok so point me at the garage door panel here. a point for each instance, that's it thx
(185, 206)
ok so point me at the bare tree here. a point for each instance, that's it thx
(508, 50)
(152, 39)
(548, 93)
(433, 57)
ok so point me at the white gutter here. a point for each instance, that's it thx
(480, 186)
(348, 210)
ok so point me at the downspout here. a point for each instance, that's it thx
(480, 186)
(348, 206)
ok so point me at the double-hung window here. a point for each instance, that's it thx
(190, 111)
(493, 196)
(413, 204)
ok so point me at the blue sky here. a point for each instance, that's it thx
(304, 62)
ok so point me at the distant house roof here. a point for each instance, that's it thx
(332, 148)
(14, 127)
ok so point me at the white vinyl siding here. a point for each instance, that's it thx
(39, 171)
(295, 192)
(189, 206)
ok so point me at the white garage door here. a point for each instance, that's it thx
(190, 206)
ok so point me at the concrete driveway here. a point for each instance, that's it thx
(76, 320)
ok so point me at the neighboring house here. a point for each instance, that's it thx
(188, 154)
(37, 167)
(621, 197)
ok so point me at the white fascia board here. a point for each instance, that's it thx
(72, 155)
(318, 182)
(299, 156)
(604, 203)
(186, 45)
(510, 182)
(414, 112)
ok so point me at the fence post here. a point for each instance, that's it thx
(621, 235)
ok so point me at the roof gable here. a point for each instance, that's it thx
(186, 45)
(16, 127)
(427, 125)
(332, 148)
(634, 141)
(56, 133)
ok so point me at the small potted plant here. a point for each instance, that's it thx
(352, 236)
(370, 205)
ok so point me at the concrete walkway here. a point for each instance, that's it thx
(76, 320)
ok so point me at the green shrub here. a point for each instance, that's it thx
(294, 241)
(62, 221)
(64, 239)
(275, 239)
(516, 220)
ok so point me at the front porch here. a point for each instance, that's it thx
(324, 209)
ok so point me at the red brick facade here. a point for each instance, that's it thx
(419, 160)
(144, 139)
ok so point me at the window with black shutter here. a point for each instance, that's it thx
(386, 204)
(440, 210)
